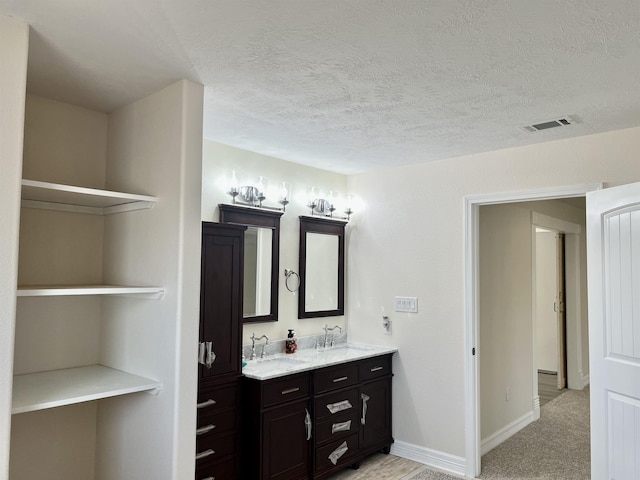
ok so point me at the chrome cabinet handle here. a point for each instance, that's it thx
(290, 390)
(203, 430)
(376, 369)
(209, 478)
(341, 379)
(307, 424)
(206, 355)
(207, 403)
(211, 357)
(205, 454)
(365, 399)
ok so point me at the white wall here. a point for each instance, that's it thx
(410, 241)
(14, 40)
(218, 163)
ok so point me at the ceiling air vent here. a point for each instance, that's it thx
(556, 122)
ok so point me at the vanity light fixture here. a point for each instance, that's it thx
(326, 207)
(284, 195)
(254, 195)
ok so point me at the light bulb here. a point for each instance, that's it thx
(233, 187)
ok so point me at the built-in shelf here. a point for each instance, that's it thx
(39, 391)
(69, 198)
(64, 290)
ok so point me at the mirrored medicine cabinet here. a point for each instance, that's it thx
(321, 265)
(261, 259)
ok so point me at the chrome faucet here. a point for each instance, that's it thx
(326, 333)
(253, 345)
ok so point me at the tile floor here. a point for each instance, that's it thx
(380, 467)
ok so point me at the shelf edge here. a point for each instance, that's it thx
(135, 384)
(49, 291)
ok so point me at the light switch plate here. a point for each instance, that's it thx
(406, 304)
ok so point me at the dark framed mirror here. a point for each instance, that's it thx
(261, 260)
(321, 267)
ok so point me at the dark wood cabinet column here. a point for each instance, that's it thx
(218, 423)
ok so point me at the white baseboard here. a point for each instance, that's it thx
(585, 380)
(536, 407)
(432, 458)
(495, 439)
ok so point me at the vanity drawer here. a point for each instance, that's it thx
(217, 422)
(323, 402)
(225, 470)
(209, 448)
(340, 376)
(375, 367)
(217, 398)
(285, 389)
(323, 461)
(338, 426)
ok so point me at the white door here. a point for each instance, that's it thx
(561, 320)
(546, 301)
(613, 229)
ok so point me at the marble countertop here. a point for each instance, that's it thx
(281, 364)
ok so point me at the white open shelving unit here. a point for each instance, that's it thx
(69, 198)
(42, 390)
(38, 391)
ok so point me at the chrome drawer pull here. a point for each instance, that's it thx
(365, 398)
(341, 379)
(208, 403)
(205, 454)
(290, 390)
(375, 369)
(308, 424)
(209, 478)
(204, 430)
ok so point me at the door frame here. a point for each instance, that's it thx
(471, 300)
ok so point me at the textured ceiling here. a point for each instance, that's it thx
(351, 85)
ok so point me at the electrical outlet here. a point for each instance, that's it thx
(386, 325)
(406, 304)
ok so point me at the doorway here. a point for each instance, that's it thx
(472, 309)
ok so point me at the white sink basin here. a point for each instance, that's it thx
(345, 349)
(352, 346)
(278, 364)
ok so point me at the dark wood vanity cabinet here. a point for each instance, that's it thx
(219, 379)
(277, 428)
(375, 405)
(348, 405)
(352, 413)
(336, 418)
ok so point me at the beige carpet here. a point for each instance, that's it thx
(556, 447)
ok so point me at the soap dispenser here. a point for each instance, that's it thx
(291, 344)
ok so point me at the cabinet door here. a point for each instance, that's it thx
(286, 442)
(221, 297)
(375, 404)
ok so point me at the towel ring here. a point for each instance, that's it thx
(288, 274)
